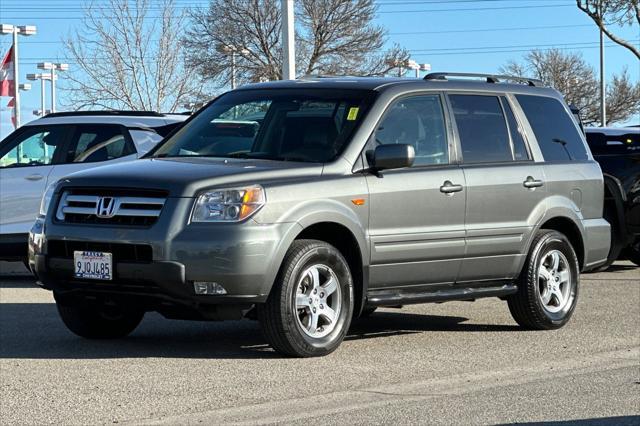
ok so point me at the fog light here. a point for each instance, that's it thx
(207, 288)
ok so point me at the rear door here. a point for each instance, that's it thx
(26, 161)
(94, 145)
(416, 223)
(505, 187)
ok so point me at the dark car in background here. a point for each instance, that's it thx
(618, 152)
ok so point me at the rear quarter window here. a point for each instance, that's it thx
(555, 130)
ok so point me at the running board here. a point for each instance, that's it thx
(406, 297)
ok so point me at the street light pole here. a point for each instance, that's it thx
(16, 79)
(16, 30)
(52, 68)
(288, 45)
(233, 69)
(43, 95)
(603, 85)
(53, 89)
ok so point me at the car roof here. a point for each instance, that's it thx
(613, 131)
(386, 83)
(132, 120)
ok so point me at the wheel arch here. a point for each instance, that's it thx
(570, 229)
(343, 230)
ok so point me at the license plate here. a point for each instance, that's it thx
(95, 265)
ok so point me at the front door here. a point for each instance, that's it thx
(26, 160)
(416, 224)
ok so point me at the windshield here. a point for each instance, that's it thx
(310, 125)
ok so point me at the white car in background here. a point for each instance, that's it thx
(45, 150)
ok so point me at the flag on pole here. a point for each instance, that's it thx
(7, 82)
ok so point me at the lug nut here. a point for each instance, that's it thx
(314, 310)
(315, 290)
(321, 294)
(321, 306)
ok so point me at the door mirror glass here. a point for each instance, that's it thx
(395, 156)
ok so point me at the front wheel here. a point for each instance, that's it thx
(311, 303)
(548, 284)
(98, 321)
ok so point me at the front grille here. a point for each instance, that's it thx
(101, 206)
(121, 252)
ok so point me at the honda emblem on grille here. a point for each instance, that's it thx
(107, 207)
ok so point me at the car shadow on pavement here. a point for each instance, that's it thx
(12, 281)
(35, 331)
(616, 267)
(604, 421)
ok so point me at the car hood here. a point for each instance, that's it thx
(184, 177)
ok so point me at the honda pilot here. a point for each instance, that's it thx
(304, 204)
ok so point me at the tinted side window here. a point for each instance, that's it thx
(555, 130)
(93, 143)
(33, 147)
(482, 128)
(417, 121)
(520, 151)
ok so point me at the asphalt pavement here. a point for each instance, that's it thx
(452, 363)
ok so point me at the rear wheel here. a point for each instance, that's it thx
(548, 284)
(98, 321)
(310, 306)
(633, 252)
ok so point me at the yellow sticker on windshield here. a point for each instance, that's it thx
(353, 113)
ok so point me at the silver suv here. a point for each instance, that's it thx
(307, 203)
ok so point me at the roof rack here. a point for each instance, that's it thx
(491, 78)
(105, 112)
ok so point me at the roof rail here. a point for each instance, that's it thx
(491, 78)
(105, 112)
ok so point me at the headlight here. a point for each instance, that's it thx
(46, 199)
(228, 205)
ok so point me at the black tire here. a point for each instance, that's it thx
(526, 305)
(633, 252)
(279, 317)
(98, 321)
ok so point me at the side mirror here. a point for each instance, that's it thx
(393, 156)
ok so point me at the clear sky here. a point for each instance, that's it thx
(453, 35)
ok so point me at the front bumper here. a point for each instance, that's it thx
(243, 258)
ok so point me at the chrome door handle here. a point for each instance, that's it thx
(449, 188)
(532, 183)
(34, 176)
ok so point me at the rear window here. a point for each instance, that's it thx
(555, 130)
(603, 144)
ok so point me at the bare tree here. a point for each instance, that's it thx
(332, 37)
(613, 12)
(570, 74)
(123, 58)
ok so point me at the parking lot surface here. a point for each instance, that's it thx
(452, 363)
